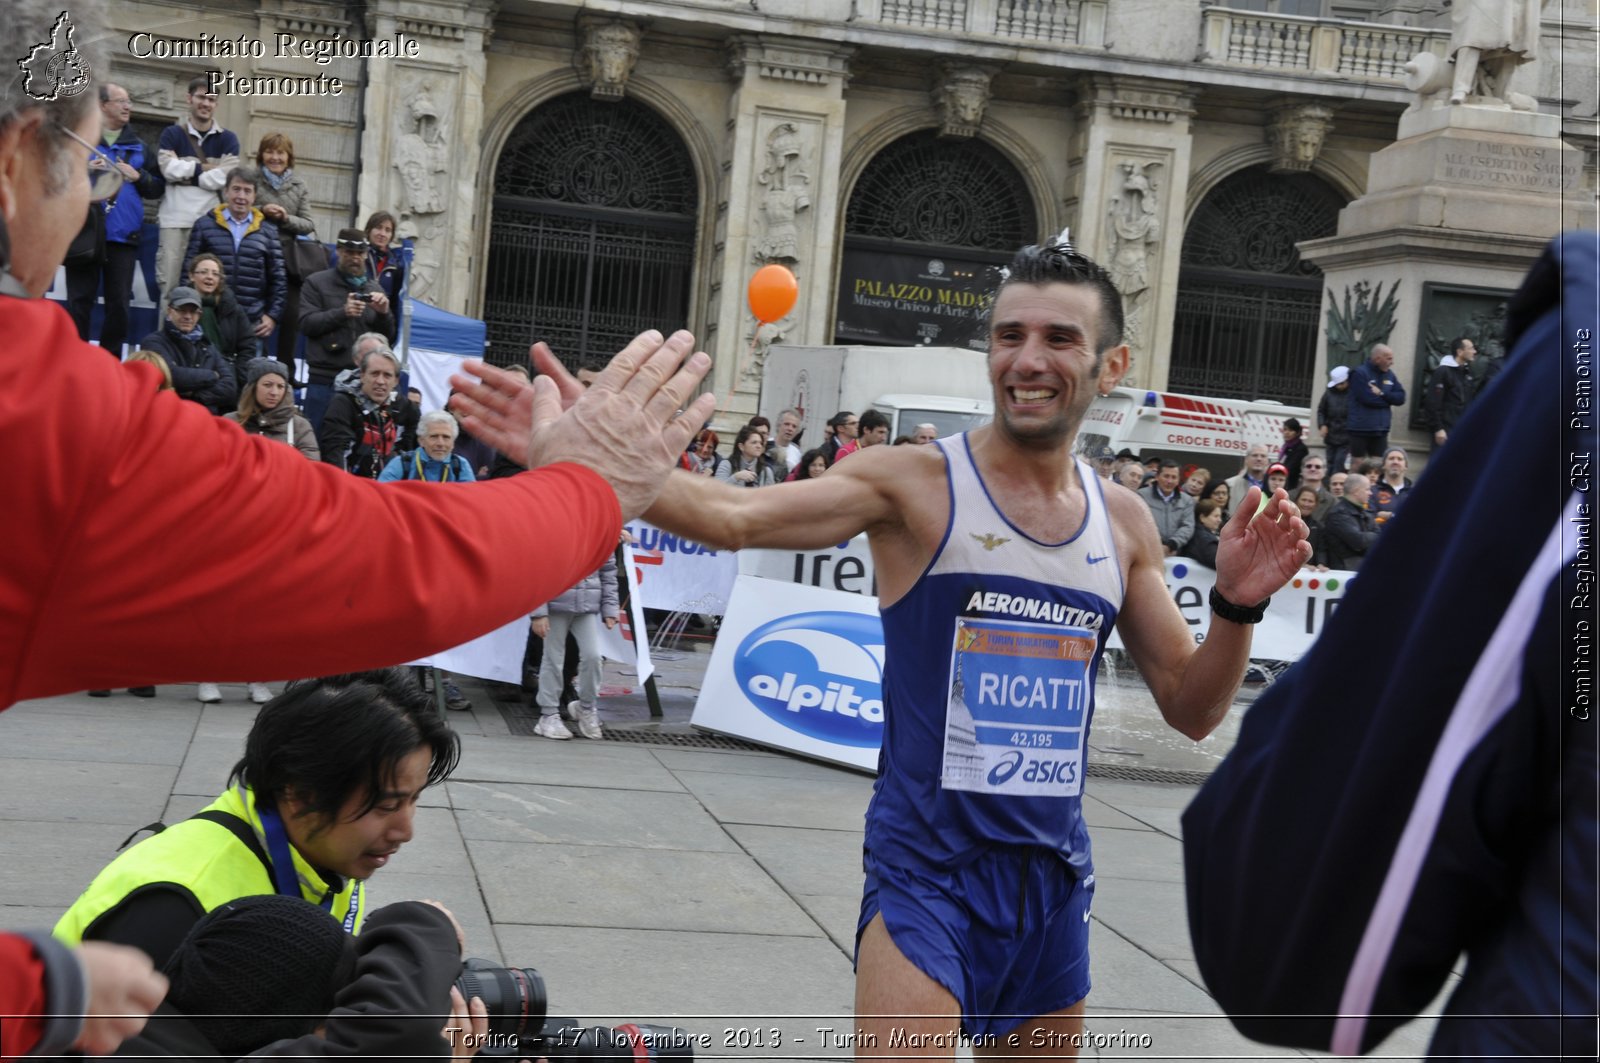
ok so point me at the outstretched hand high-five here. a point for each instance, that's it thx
(627, 427)
(1258, 553)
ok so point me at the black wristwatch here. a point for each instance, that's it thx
(1238, 614)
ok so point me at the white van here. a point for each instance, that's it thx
(1192, 430)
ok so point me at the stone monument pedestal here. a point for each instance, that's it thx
(1455, 213)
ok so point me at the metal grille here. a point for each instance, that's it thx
(1244, 340)
(1247, 311)
(593, 235)
(954, 193)
(681, 740)
(1253, 219)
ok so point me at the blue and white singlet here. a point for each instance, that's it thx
(988, 684)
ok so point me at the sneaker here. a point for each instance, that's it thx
(588, 718)
(208, 694)
(99, 693)
(550, 726)
(454, 699)
(142, 692)
(259, 693)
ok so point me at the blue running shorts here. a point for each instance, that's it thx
(1007, 934)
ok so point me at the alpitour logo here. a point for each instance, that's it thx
(55, 69)
(820, 674)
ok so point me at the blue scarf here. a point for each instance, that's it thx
(274, 180)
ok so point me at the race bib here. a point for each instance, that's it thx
(1019, 700)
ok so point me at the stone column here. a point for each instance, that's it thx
(1467, 198)
(778, 201)
(421, 144)
(1128, 185)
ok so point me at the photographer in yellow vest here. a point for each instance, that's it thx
(325, 794)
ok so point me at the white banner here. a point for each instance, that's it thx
(429, 372)
(676, 574)
(844, 567)
(497, 655)
(798, 669)
(630, 639)
(1296, 616)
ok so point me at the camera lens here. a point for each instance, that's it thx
(513, 996)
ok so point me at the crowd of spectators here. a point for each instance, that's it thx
(240, 235)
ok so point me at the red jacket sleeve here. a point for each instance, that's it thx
(150, 542)
(21, 996)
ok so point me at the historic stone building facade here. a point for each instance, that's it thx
(577, 172)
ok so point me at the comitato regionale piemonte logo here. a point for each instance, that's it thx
(55, 69)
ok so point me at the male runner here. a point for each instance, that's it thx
(1002, 564)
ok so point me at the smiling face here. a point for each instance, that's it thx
(117, 108)
(354, 845)
(819, 465)
(275, 159)
(1042, 362)
(1307, 501)
(380, 235)
(206, 277)
(202, 105)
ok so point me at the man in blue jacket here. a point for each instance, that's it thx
(1374, 389)
(251, 252)
(1354, 845)
(122, 216)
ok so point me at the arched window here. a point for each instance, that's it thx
(1248, 305)
(593, 233)
(926, 221)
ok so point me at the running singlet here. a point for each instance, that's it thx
(989, 683)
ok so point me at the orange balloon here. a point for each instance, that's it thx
(773, 291)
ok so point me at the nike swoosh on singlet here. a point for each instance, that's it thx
(1096, 560)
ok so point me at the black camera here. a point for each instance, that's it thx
(365, 297)
(515, 1000)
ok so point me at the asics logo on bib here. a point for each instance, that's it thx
(1062, 772)
(820, 674)
(1006, 768)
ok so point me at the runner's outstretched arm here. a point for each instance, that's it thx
(850, 498)
(1258, 553)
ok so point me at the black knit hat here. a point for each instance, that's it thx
(260, 969)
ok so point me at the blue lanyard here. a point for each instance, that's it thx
(284, 876)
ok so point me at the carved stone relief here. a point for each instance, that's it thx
(962, 96)
(785, 195)
(607, 51)
(1296, 134)
(422, 157)
(1134, 237)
